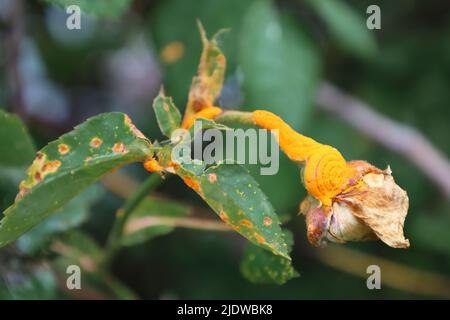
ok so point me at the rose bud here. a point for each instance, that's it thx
(371, 207)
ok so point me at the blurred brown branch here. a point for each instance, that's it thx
(391, 134)
(124, 186)
(393, 274)
(13, 43)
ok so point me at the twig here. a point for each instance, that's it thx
(179, 222)
(13, 43)
(120, 184)
(391, 134)
(394, 275)
(122, 214)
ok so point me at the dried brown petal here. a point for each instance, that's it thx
(374, 207)
(382, 205)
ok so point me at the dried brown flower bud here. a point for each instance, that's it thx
(373, 208)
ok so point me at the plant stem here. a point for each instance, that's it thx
(123, 214)
(230, 117)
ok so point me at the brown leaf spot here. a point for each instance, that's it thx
(259, 238)
(224, 217)
(38, 176)
(246, 223)
(51, 166)
(133, 128)
(63, 148)
(212, 177)
(119, 147)
(96, 142)
(267, 221)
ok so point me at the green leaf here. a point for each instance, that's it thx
(78, 248)
(152, 218)
(280, 64)
(71, 215)
(41, 284)
(167, 114)
(262, 267)
(347, 27)
(69, 165)
(16, 152)
(16, 147)
(98, 8)
(235, 196)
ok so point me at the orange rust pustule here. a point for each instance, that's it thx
(63, 148)
(208, 113)
(96, 142)
(246, 223)
(191, 183)
(119, 147)
(153, 165)
(259, 238)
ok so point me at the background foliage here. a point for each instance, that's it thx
(278, 53)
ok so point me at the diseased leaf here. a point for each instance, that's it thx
(235, 196)
(151, 219)
(97, 8)
(347, 27)
(70, 164)
(208, 82)
(167, 114)
(263, 267)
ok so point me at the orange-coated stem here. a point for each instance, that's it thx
(326, 171)
(207, 113)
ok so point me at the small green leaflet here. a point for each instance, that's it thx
(167, 114)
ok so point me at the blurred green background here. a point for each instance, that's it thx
(278, 53)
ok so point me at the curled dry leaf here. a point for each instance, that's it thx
(374, 208)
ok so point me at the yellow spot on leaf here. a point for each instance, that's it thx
(119, 147)
(63, 148)
(37, 172)
(259, 238)
(173, 52)
(246, 223)
(133, 128)
(96, 142)
(212, 177)
(267, 221)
